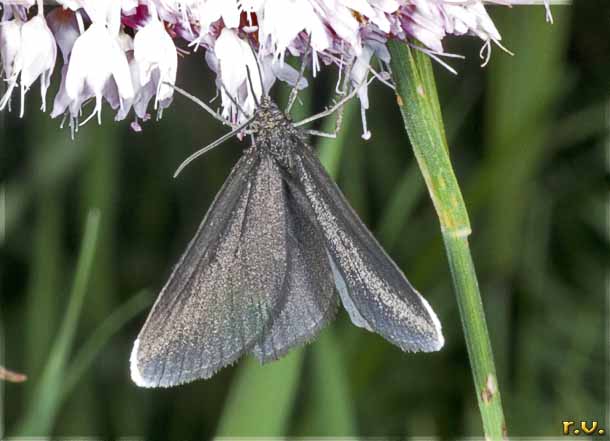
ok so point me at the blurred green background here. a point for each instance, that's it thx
(529, 139)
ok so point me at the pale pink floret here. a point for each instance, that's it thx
(28, 53)
(98, 65)
(157, 60)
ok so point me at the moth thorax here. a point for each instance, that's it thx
(270, 124)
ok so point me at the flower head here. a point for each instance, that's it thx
(124, 51)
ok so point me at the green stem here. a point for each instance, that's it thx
(420, 109)
(477, 336)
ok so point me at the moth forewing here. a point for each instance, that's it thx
(151, 354)
(226, 288)
(380, 297)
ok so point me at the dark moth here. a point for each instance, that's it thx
(277, 252)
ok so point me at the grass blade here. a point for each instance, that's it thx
(400, 207)
(44, 407)
(329, 411)
(109, 327)
(250, 410)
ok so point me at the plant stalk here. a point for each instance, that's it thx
(419, 105)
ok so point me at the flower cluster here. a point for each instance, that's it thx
(124, 51)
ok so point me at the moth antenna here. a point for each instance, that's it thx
(200, 103)
(252, 87)
(295, 91)
(209, 147)
(258, 68)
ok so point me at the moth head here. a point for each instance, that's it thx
(268, 118)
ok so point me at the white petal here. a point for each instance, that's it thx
(10, 45)
(135, 81)
(234, 56)
(121, 73)
(62, 103)
(341, 20)
(143, 98)
(280, 32)
(125, 41)
(62, 100)
(154, 50)
(230, 13)
(38, 50)
(74, 5)
(89, 64)
(212, 10)
(96, 59)
(21, 3)
(65, 29)
(129, 7)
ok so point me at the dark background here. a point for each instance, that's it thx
(529, 140)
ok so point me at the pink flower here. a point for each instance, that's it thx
(124, 51)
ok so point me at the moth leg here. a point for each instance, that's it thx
(343, 92)
(329, 111)
(322, 134)
(294, 92)
(339, 105)
(337, 129)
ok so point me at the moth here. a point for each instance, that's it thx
(278, 251)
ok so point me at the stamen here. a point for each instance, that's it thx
(23, 91)
(97, 111)
(366, 133)
(485, 53)
(79, 21)
(436, 56)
